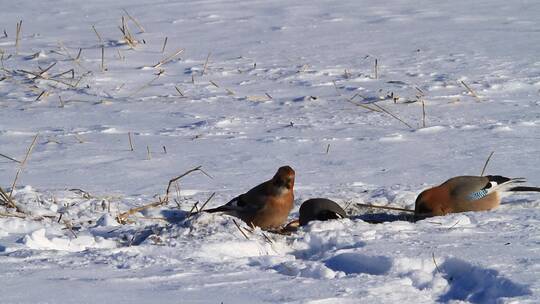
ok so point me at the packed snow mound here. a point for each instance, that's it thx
(39, 240)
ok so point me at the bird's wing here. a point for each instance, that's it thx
(473, 188)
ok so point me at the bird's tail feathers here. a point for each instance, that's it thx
(525, 189)
(507, 185)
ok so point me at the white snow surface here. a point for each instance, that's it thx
(266, 84)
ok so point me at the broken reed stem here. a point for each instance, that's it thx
(361, 105)
(242, 231)
(18, 36)
(470, 90)
(376, 68)
(423, 113)
(206, 64)
(97, 34)
(10, 158)
(122, 217)
(144, 86)
(486, 163)
(206, 202)
(61, 101)
(134, 21)
(168, 58)
(5, 197)
(130, 142)
(30, 148)
(179, 92)
(198, 168)
(164, 45)
(190, 213)
(41, 95)
(102, 58)
(435, 262)
(148, 154)
(327, 148)
(81, 141)
(394, 116)
(384, 207)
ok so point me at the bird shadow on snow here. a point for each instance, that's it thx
(477, 285)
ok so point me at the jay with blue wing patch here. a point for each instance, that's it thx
(466, 193)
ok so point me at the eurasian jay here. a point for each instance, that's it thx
(466, 193)
(266, 205)
(316, 209)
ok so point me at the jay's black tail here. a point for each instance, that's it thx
(525, 188)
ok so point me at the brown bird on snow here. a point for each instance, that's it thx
(466, 193)
(267, 205)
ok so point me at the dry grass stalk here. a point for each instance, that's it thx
(123, 217)
(61, 101)
(78, 55)
(376, 68)
(18, 36)
(269, 96)
(384, 207)
(239, 228)
(23, 163)
(361, 105)
(394, 116)
(42, 94)
(72, 71)
(214, 84)
(103, 59)
(164, 45)
(206, 202)
(327, 148)
(168, 58)
(137, 23)
(470, 90)
(206, 64)
(120, 56)
(79, 139)
(144, 86)
(179, 92)
(435, 262)
(7, 199)
(230, 92)
(423, 113)
(10, 158)
(193, 208)
(198, 168)
(164, 149)
(12, 215)
(127, 36)
(43, 72)
(130, 142)
(486, 163)
(44, 77)
(97, 34)
(148, 154)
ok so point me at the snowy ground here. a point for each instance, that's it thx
(264, 84)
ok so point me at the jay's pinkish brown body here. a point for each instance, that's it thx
(266, 205)
(466, 193)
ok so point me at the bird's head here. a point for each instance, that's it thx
(284, 177)
(430, 203)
